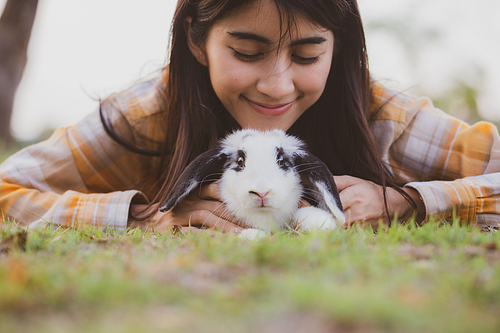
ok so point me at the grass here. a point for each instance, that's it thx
(403, 279)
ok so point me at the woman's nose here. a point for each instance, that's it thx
(277, 82)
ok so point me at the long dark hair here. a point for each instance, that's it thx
(335, 128)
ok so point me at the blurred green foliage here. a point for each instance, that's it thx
(414, 37)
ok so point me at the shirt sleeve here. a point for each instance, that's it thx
(454, 166)
(78, 176)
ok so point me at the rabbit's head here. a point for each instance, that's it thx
(260, 184)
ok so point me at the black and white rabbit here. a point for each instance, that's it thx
(263, 176)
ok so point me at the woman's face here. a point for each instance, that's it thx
(263, 86)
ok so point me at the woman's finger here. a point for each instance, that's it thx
(374, 224)
(194, 230)
(343, 182)
(209, 192)
(208, 219)
(350, 217)
(304, 203)
(349, 197)
(218, 209)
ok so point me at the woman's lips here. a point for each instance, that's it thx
(270, 109)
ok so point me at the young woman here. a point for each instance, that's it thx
(297, 65)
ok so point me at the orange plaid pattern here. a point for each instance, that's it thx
(81, 176)
(454, 166)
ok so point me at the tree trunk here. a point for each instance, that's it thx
(16, 23)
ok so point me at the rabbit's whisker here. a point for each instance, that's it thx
(213, 213)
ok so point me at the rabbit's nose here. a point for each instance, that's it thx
(262, 196)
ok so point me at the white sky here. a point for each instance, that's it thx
(84, 50)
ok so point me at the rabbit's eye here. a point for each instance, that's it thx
(280, 160)
(241, 162)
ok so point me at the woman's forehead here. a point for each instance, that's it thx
(262, 22)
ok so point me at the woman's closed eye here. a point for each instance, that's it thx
(304, 61)
(257, 56)
(247, 57)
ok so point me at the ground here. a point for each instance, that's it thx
(435, 278)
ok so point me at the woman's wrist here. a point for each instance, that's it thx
(420, 206)
(136, 215)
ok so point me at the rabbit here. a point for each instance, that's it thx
(262, 177)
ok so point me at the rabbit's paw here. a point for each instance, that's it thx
(313, 218)
(252, 234)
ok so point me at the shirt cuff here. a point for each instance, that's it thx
(446, 200)
(100, 210)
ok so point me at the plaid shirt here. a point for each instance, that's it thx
(82, 176)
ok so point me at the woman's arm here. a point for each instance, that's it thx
(461, 174)
(78, 176)
(452, 166)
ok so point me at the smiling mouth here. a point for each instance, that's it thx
(273, 110)
(275, 106)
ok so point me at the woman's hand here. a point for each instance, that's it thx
(363, 201)
(202, 207)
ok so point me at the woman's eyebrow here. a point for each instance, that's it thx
(264, 40)
(251, 36)
(308, 40)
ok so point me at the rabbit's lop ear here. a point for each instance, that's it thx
(206, 168)
(320, 189)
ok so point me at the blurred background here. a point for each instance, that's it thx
(81, 51)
